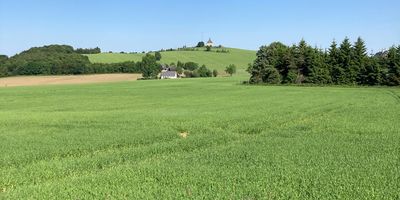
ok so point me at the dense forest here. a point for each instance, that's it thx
(346, 64)
(64, 60)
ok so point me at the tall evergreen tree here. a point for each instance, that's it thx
(319, 68)
(359, 60)
(345, 62)
(372, 72)
(337, 71)
(393, 64)
(333, 53)
(288, 66)
(304, 60)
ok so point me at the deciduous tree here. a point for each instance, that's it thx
(231, 69)
(158, 56)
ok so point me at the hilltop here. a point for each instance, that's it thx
(213, 59)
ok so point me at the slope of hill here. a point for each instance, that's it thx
(214, 60)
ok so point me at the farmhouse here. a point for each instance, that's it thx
(168, 73)
(210, 43)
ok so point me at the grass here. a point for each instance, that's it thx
(213, 60)
(199, 139)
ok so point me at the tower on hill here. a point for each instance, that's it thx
(210, 43)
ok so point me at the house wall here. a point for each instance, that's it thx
(165, 77)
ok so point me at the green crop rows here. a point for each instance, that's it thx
(124, 141)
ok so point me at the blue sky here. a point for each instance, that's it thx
(120, 25)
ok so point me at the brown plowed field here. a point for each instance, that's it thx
(67, 79)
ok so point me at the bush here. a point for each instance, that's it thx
(215, 73)
(203, 71)
(191, 66)
(188, 74)
(231, 69)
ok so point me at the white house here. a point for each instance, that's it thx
(169, 75)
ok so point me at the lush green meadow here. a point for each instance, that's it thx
(127, 141)
(213, 60)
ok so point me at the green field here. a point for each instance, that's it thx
(123, 141)
(213, 60)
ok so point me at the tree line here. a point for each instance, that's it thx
(88, 50)
(64, 60)
(344, 64)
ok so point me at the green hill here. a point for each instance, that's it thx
(213, 60)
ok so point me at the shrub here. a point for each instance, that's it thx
(203, 71)
(231, 69)
(215, 73)
(191, 66)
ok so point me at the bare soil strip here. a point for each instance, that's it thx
(67, 79)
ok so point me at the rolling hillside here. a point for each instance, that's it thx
(213, 60)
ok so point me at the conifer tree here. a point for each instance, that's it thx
(337, 72)
(393, 64)
(359, 60)
(345, 62)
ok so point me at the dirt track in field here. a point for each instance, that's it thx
(68, 79)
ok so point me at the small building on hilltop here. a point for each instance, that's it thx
(210, 43)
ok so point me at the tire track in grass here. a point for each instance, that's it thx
(394, 95)
(118, 158)
(91, 172)
(76, 153)
(79, 154)
(289, 120)
(142, 166)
